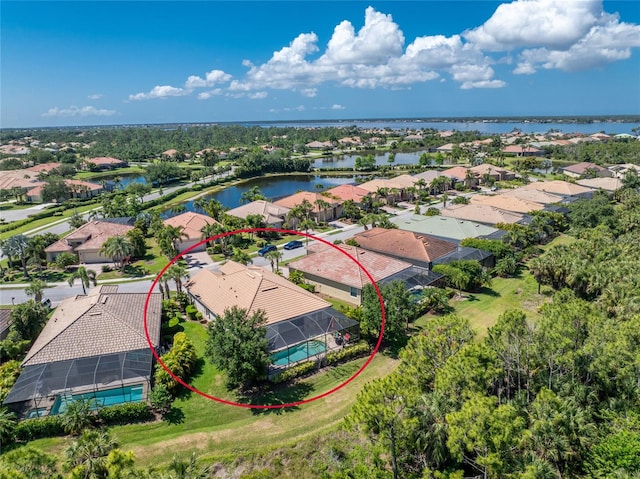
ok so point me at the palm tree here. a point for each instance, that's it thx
(118, 248)
(323, 206)
(307, 224)
(17, 246)
(169, 237)
(255, 221)
(89, 453)
(188, 469)
(208, 231)
(86, 277)
(177, 272)
(35, 289)
(77, 417)
(241, 257)
(35, 250)
(274, 257)
(252, 194)
(7, 425)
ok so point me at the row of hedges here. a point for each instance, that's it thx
(51, 426)
(334, 357)
(347, 353)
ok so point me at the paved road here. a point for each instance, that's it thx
(14, 293)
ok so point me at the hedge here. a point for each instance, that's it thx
(349, 352)
(125, 413)
(294, 372)
(37, 428)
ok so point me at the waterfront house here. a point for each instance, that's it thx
(191, 224)
(324, 208)
(585, 170)
(105, 163)
(273, 215)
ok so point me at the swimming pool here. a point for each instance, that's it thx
(298, 353)
(106, 397)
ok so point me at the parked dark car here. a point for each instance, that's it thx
(266, 248)
(293, 244)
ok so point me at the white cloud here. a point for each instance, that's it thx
(78, 111)
(205, 95)
(212, 78)
(530, 23)
(336, 106)
(160, 91)
(259, 95)
(95, 96)
(535, 34)
(376, 42)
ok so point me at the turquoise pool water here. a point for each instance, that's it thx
(107, 397)
(298, 353)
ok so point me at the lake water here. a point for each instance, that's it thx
(486, 127)
(349, 161)
(274, 187)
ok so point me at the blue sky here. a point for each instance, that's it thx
(91, 63)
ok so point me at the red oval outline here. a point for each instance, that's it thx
(264, 406)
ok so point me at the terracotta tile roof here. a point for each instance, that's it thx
(581, 168)
(347, 192)
(90, 186)
(92, 234)
(43, 167)
(481, 213)
(270, 212)
(297, 199)
(488, 168)
(459, 172)
(399, 182)
(607, 184)
(331, 264)
(536, 196)
(519, 149)
(428, 176)
(191, 222)
(407, 244)
(105, 160)
(558, 187)
(507, 203)
(252, 288)
(97, 324)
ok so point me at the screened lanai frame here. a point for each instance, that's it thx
(39, 385)
(415, 277)
(325, 325)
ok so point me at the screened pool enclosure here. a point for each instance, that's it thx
(309, 335)
(44, 389)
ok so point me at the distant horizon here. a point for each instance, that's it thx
(69, 63)
(541, 119)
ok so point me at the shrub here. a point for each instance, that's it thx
(125, 413)
(36, 428)
(348, 352)
(191, 312)
(294, 372)
(106, 268)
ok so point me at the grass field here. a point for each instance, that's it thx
(217, 430)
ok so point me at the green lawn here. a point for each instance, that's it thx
(97, 175)
(41, 223)
(154, 262)
(217, 430)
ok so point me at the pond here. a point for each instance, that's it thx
(274, 188)
(349, 161)
(122, 180)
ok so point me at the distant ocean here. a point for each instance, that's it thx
(487, 127)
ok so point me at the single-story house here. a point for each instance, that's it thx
(320, 145)
(320, 214)
(559, 187)
(343, 193)
(397, 188)
(479, 213)
(520, 150)
(537, 196)
(415, 248)
(335, 274)
(507, 203)
(607, 184)
(79, 189)
(497, 173)
(106, 163)
(297, 320)
(459, 175)
(620, 170)
(86, 241)
(448, 228)
(584, 169)
(273, 215)
(94, 346)
(192, 224)
(448, 148)
(43, 167)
